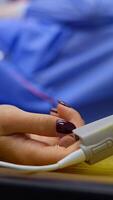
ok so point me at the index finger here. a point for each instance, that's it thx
(14, 120)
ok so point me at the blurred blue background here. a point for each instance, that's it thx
(58, 50)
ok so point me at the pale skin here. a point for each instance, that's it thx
(31, 139)
(11, 9)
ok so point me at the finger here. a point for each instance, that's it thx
(51, 141)
(15, 120)
(69, 114)
(29, 152)
(67, 140)
(64, 141)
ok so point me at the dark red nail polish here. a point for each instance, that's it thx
(53, 110)
(64, 127)
(63, 103)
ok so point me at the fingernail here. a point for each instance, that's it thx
(53, 110)
(63, 103)
(64, 127)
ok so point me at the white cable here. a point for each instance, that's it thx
(28, 167)
(73, 158)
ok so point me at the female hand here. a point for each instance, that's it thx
(31, 139)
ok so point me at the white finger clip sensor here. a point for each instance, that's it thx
(96, 144)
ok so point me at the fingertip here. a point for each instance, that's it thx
(66, 141)
(64, 127)
(63, 108)
(65, 112)
(70, 114)
(63, 103)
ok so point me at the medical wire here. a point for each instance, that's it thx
(73, 158)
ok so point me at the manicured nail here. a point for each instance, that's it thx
(63, 103)
(64, 127)
(53, 110)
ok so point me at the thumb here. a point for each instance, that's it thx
(70, 114)
(15, 120)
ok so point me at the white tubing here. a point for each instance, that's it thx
(73, 158)
(28, 167)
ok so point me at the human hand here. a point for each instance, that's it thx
(32, 139)
(67, 113)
